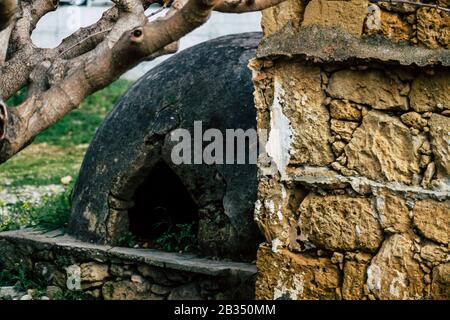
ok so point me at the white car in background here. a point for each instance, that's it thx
(86, 2)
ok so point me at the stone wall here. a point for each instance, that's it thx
(60, 263)
(354, 187)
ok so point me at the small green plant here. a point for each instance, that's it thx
(52, 214)
(179, 237)
(20, 278)
(71, 295)
(127, 240)
(22, 281)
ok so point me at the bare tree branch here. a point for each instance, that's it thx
(240, 6)
(91, 58)
(7, 11)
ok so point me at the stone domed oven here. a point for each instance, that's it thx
(128, 182)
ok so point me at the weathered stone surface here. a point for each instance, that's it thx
(338, 147)
(305, 111)
(156, 274)
(126, 290)
(440, 286)
(275, 211)
(432, 219)
(372, 87)
(414, 120)
(92, 272)
(346, 15)
(344, 129)
(382, 148)
(9, 292)
(393, 273)
(160, 290)
(288, 276)
(394, 28)
(333, 45)
(355, 277)
(433, 27)
(79, 259)
(120, 271)
(393, 213)
(430, 92)
(340, 223)
(341, 110)
(118, 165)
(275, 18)
(372, 24)
(440, 143)
(48, 273)
(435, 254)
(189, 291)
(11, 257)
(53, 292)
(398, 7)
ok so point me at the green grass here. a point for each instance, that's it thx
(23, 280)
(58, 151)
(52, 214)
(55, 153)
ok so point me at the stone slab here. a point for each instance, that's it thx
(174, 261)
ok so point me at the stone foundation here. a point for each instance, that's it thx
(112, 273)
(354, 188)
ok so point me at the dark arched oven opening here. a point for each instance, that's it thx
(164, 215)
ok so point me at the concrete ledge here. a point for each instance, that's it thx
(322, 44)
(175, 261)
(59, 263)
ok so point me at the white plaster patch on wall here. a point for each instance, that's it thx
(258, 206)
(73, 277)
(283, 192)
(270, 206)
(380, 206)
(280, 136)
(279, 215)
(257, 215)
(283, 290)
(374, 278)
(276, 245)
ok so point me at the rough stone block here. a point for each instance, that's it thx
(341, 110)
(393, 212)
(346, 15)
(393, 273)
(298, 93)
(371, 87)
(288, 276)
(340, 223)
(383, 148)
(275, 18)
(93, 272)
(440, 286)
(432, 218)
(433, 28)
(430, 92)
(355, 277)
(440, 142)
